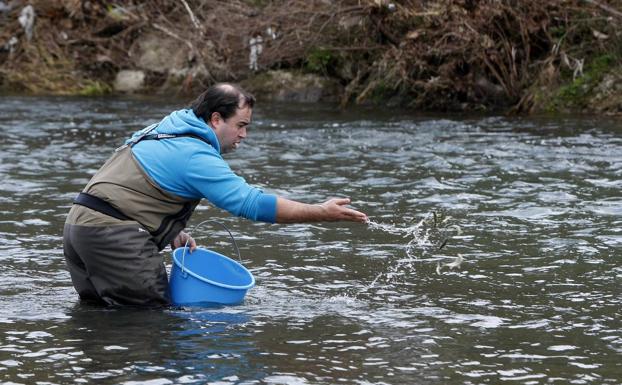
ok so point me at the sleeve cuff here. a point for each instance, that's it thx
(266, 208)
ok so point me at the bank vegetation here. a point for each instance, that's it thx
(510, 55)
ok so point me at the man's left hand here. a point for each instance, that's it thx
(181, 239)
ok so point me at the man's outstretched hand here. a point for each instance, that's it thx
(336, 210)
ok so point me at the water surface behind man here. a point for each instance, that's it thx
(536, 300)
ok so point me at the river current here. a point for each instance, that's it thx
(493, 255)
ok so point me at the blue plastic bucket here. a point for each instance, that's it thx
(207, 278)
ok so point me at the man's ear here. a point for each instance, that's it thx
(215, 119)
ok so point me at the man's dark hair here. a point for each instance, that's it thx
(224, 98)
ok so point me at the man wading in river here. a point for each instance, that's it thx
(143, 196)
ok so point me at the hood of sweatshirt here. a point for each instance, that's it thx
(183, 122)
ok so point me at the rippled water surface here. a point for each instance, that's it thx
(532, 207)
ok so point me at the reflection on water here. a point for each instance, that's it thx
(536, 299)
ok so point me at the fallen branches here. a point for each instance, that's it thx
(439, 54)
(606, 8)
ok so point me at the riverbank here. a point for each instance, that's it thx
(444, 55)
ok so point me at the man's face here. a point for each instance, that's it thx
(232, 131)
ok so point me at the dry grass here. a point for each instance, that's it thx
(442, 54)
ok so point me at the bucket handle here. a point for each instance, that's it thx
(235, 245)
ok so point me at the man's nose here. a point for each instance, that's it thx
(242, 132)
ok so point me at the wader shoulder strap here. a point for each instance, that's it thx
(98, 204)
(145, 135)
(145, 132)
(167, 136)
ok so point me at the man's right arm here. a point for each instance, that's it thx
(209, 175)
(288, 211)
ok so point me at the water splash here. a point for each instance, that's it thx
(425, 237)
(450, 265)
(429, 234)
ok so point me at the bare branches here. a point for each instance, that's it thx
(605, 7)
(172, 34)
(193, 18)
(438, 54)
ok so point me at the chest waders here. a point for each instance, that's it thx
(116, 228)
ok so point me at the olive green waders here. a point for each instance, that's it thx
(120, 265)
(116, 229)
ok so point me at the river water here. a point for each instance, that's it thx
(531, 206)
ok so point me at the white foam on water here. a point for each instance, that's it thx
(427, 236)
(420, 234)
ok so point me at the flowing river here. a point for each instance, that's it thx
(493, 256)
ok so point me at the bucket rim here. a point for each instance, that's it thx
(219, 284)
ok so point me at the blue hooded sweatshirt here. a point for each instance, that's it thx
(190, 168)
